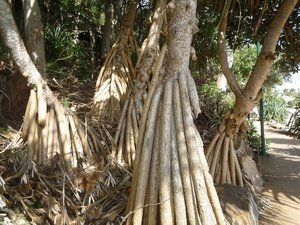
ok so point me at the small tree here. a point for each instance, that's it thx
(48, 127)
(117, 73)
(220, 153)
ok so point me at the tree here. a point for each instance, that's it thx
(34, 34)
(171, 183)
(117, 73)
(48, 127)
(147, 70)
(107, 29)
(220, 153)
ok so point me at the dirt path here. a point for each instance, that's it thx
(281, 174)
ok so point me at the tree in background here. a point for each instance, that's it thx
(147, 70)
(117, 73)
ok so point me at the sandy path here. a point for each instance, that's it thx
(281, 174)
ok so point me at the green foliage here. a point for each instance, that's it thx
(244, 60)
(60, 43)
(63, 50)
(66, 102)
(254, 137)
(294, 123)
(293, 95)
(72, 36)
(275, 107)
(216, 102)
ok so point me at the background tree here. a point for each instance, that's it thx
(117, 73)
(147, 69)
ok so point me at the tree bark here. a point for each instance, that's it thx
(170, 145)
(34, 34)
(107, 29)
(44, 110)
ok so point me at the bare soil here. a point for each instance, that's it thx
(281, 174)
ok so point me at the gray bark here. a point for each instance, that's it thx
(13, 41)
(107, 29)
(34, 34)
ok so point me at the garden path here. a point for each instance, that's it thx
(281, 174)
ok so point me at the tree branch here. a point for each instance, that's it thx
(12, 39)
(223, 58)
(267, 56)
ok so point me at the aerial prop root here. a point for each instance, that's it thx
(50, 129)
(222, 160)
(170, 170)
(115, 79)
(128, 130)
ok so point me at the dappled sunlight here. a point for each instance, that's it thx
(281, 174)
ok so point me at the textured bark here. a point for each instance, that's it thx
(184, 190)
(34, 34)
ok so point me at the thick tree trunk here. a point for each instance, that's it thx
(48, 127)
(34, 34)
(171, 183)
(220, 154)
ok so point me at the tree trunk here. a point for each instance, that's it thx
(171, 183)
(107, 29)
(220, 153)
(48, 127)
(34, 34)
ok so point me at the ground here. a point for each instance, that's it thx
(281, 174)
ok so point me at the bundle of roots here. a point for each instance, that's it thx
(147, 69)
(115, 78)
(223, 163)
(171, 182)
(126, 137)
(51, 129)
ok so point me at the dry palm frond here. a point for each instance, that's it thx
(117, 74)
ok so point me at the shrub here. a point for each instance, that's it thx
(275, 108)
(215, 102)
(294, 123)
(254, 137)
